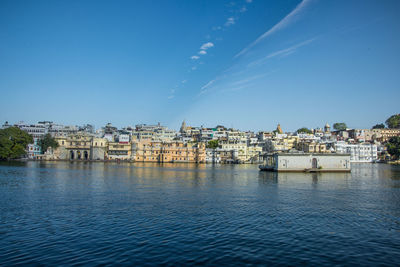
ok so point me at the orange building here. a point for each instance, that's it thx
(152, 151)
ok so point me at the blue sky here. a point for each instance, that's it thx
(243, 64)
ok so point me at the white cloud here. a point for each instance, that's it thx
(206, 46)
(282, 52)
(290, 49)
(230, 21)
(249, 1)
(171, 96)
(203, 89)
(249, 79)
(202, 52)
(184, 81)
(194, 57)
(243, 9)
(293, 15)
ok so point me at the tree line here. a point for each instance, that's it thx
(14, 141)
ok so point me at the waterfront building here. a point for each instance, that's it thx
(303, 162)
(253, 154)
(213, 155)
(227, 155)
(73, 147)
(119, 151)
(174, 151)
(34, 150)
(243, 153)
(98, 149)
(239, 150)
(364, 152)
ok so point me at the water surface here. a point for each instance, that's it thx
(103, 213)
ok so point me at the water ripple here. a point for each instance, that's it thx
(103, 214)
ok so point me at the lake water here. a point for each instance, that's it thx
(178, 214)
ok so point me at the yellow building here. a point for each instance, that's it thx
(170, 152)
(98, 150)
(119, 151)
(311, 147)
(74, 147)
(384, 135)
(280, 144)
(242, 152)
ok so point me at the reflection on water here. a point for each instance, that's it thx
(106, 213)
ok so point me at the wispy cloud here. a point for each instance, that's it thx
(243, 9)
(230, 21)
(194, 68)
(204, 89)
(282, 52)
(202, 52)
(252, 78)
(194, 57)
(206, 46)
(249, 1)
(184, 81)
(288, 19)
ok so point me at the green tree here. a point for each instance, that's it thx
(340, 126)
(304, 130)
(393, 121)
(393, 146)
(13, 142)
(379, 126)
(212, 144)
(47, 142)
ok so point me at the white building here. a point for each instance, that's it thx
(363, 152)
(213, 155)
(304, 162)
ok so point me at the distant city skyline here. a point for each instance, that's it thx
(247, 64)
(133, 125)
